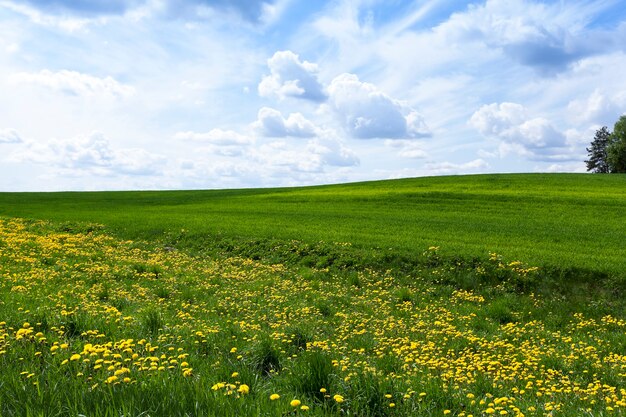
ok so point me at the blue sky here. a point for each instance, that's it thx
(171, 94)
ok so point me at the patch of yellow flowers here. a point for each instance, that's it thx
(95, 291)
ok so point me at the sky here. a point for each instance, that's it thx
(205, 94)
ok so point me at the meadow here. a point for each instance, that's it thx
(563, 221)
(186, 304)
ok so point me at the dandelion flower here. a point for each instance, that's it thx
(243, 389)
(295, 403)
(304, 408)
(274, 397)
(338, 398)
(75, 357)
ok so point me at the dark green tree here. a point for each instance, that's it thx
(598, 158)
(616, 150)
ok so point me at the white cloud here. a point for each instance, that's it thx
(366, 112)
(91, 154)
(75, 83)
(62, 21)
(567, 167)
(331, 152)
(599, 108)
(407, 148)
(216, 137)
(510, 123)
(441, 168)
(270, 122)
(318, 153)
(546, 37)
(219, 141)
(10, 136)
(291, 77)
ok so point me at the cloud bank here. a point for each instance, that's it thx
(74, 83)
(535, 138)
(10, 136)
(91, 154)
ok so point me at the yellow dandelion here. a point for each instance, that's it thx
(338, 398)
(295, 403)
(274, 397)
(243, 389)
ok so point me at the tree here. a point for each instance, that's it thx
(598, 158)
(616, 150)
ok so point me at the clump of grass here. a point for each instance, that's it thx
(162, 292)
(266, 358)
(152, 321)
(325, 309)
(74, 325)
(315, 373)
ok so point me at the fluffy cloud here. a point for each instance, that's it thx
(216, 137)
(599, 108)
(75, 83)
(219, 141)
(270, 122)
(332, 153)
(281, 157)
(534, 138)
(366, 112)
(290, 77)
(534, 34)
(407, 148)
(91, 154)
(9, 136)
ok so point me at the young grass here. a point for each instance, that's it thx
(225, 314)
(572, 223)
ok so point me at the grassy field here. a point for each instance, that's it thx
(91, 325)
(560, 220)
(461, 296)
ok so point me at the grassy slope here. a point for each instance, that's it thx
(566, 220)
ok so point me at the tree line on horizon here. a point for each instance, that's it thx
(607, 153)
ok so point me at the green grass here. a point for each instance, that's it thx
(95, 326)
(563, 221)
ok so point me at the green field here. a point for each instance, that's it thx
(558, 220)
(450, 296)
